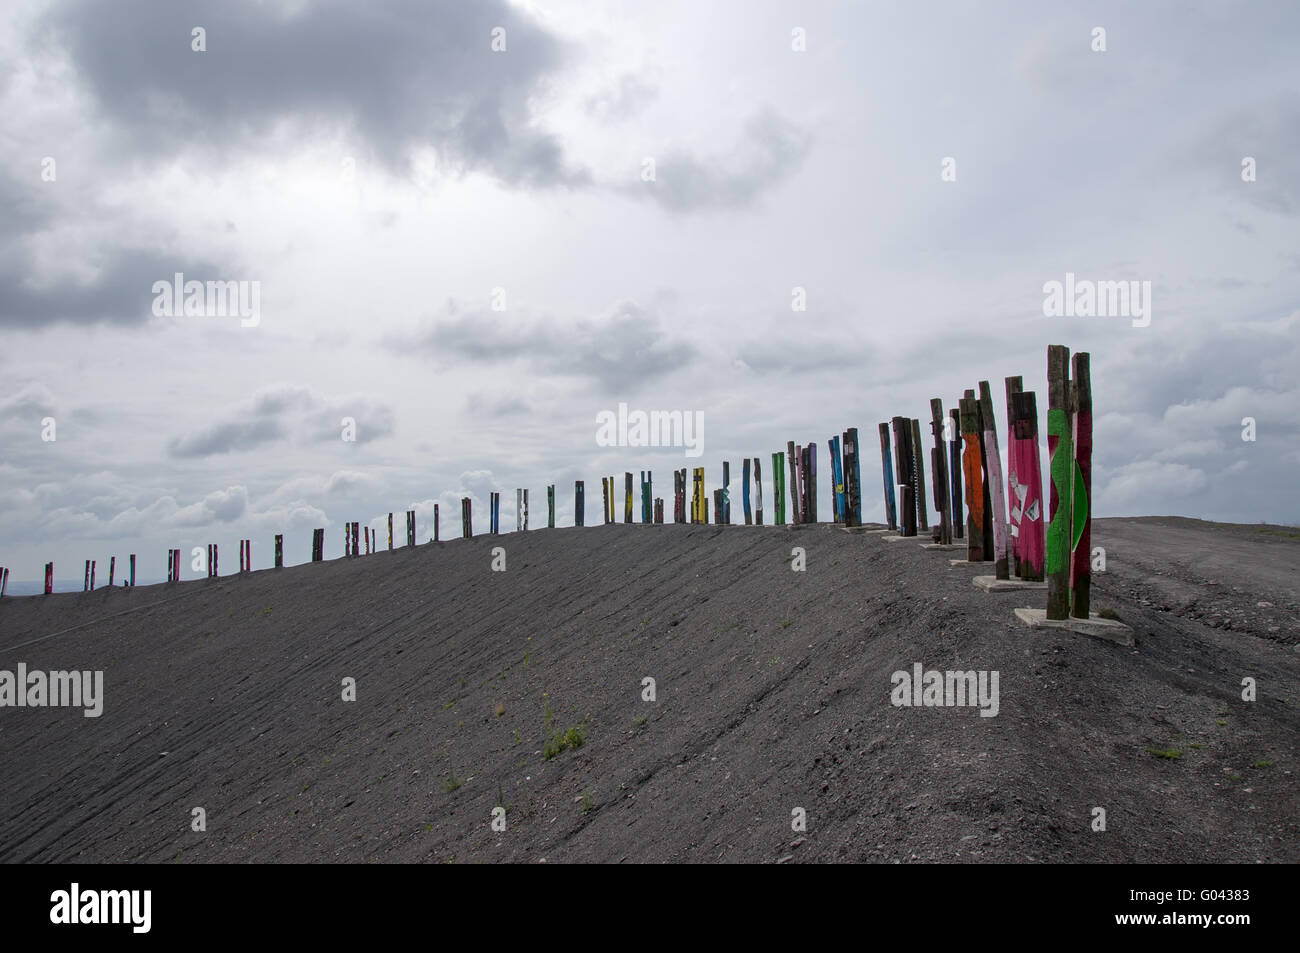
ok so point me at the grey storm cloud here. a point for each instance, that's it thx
(286, 413)
(403, 74)
(622, 350)
(769, 150)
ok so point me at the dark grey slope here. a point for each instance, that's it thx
(773, 694)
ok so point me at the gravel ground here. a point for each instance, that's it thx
(773, 693)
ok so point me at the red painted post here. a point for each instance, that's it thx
(49, 578)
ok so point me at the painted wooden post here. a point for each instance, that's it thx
(132, 570)
(49, 578)
(85, 582)
(778, 489)
(1014, 385)
(906, 461)
(1029, 489)
(744, 491)
(887, 469)
(812, 481)
(627, 497)
(852, 478)
(279, 551)
(984, 466)
(699, 503)
(112, 567)
(800, 478)
(837, 480)
(717, 506)
(1081, 505)
(550, 506)
(356, 536)
(519, 509)
(659, 509)
(954, 472)
(1059, 449)
(758, 491)
(436, 537)
(604, 498)
(1001, 568)
(92, 575)
(4, 581)
(410, 528)
(579, 505)
(176, 559)
(939, 471)
(918, 472)
(216, 560)
(647, 497)
(724, 498)
(973, 471)
(390, 531)
(792, 460)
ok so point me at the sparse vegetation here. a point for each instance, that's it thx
(1108, 613)
(1171, 754)
(638, 720)
(575, 737)
(451, 782)
(500, 709)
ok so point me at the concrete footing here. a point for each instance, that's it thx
(1094, 625)
(942, 546)
(994, 584)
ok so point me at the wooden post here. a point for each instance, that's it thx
(112, 567)
(627, 498)
(918, 472)
(390, 531)
(810, 483)
(717, 506)
(837, 481)
(579, 505)
(1081, 505)
(356, 536)
(4, 581)
(983, 460)
(792, 454)
(758, 492)
(279, 550)
(939, 468)
(1015, 499)
(1062, 464)
(778, 489)
(519, 509)
(744, 491)
(1001, 568)
(902, 428)
(85, 582)
(725, 497)
(647, 497)
(216, 558)
(852, 478)
(887, 468)
(92, 575)
(550, 506)
(955, 471)
(699, 502)
(973, 471)
(49, 578)
(1029, 491)
(132, 570)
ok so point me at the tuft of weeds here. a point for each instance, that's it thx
(638, 720)
(1170, 754)
(575, 737)
(451, 782)
(500, 709)
(1109, 613)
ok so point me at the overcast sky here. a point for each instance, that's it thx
(382, 172)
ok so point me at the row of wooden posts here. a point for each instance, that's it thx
(1004, 521)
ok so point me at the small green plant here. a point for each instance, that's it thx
(266, 611)
(1109, 613)
(1263, 763)
(575, 737)
(638, 720)
(587, 804)
(785, 623)
(451, 704)
(548, 715)
(1171, 754)
(451, 782)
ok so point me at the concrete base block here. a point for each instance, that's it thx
(994, 584)
(1094, 625)
(893, 539)
(941, 546)
(885, 530)
(967, 562)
